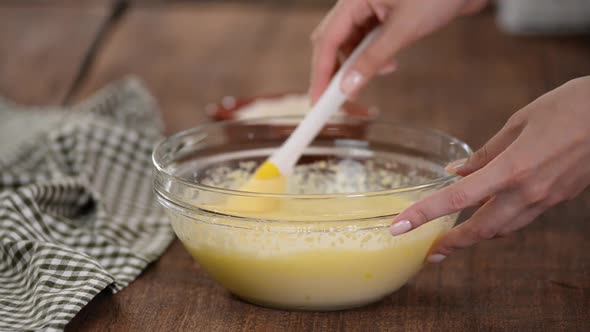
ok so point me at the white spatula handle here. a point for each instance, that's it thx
(327, 105)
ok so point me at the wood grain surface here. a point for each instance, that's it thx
(466, 80)
(42, 48)
(190, 55)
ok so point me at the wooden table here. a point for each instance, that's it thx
(466, 80)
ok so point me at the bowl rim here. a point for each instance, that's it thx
(233, 192)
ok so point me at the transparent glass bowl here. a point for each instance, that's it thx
(323, 245)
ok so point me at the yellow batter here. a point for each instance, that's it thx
(302, 263)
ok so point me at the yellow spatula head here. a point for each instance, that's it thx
(267, 171)
(267, 179)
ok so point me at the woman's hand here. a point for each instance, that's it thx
(539, 158)
(403, 22)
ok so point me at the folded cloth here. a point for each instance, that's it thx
(77, 210)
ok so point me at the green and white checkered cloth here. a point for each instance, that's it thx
(77, 210)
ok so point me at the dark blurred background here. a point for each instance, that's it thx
(480, 69)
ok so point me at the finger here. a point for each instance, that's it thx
(334, 31)
(522, 220)
(396, 32)
(487, 223)
(468, 191)
(354, 39)
(325, 48)
(388, 68)
(496, 145)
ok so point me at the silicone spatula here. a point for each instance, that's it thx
(269, 177)
(284, 159)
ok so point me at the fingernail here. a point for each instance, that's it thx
(436, 258)
(455, 165)
(388, 69)
(351, 82)
(400, 227)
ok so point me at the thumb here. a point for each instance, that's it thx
(394, 35)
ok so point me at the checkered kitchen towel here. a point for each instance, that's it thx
(77, 210)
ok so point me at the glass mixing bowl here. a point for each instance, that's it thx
(324, 243)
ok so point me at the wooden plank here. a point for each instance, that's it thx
(42, 49)
(466, 80)
(191, 55)
(469, 78)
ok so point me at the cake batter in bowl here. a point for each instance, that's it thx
(322, 242)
